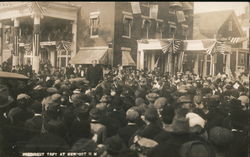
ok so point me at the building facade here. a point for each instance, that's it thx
(37, 32)
(115, 33)
(120, 27)
(227, 47)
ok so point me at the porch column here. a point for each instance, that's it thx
(74, 38)
(52, 58)
(170, 62)
(1, 43)
(15, 59)
(153, 61)
(36, 44)
(166, 63)
(142, 60)
(196, 65)
(228, 67)
(205, 66)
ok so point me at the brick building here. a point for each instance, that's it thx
(116, 30)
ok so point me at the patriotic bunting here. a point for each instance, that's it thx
(210, 49)
(171, 46)
(64, 45)
(235, 40)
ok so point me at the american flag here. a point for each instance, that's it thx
(171, 46)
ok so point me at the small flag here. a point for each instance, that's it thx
(136, 7)
(156, 63)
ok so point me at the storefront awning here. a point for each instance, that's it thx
(127, 59)
(88, 54)
(193, 45)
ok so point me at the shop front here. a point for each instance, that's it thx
(161, 53)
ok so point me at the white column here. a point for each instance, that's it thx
(74, 39)
(205, 66)
(52, 58)
(196, 65)
(153, 61)
(228, 67)
(15, 59)
(36, 44)
(138, 59)
(142, 60)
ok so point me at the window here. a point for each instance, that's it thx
(127, 24)
(63, 58)
(159, 28)
(145, 4)
(145, 27)
(184, 30)
(171, 11)
(242, 58)
(172, 28)
(94, 24)
(230, 26)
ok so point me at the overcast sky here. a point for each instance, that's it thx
(239, 7)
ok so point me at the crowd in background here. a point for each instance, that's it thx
(123, 112)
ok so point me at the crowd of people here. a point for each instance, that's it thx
(125, 113)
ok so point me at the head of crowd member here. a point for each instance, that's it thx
(196, 149)
(180, 124)
(213, 102)
(185, 102)
(220, 138)
(198, 102)
(94, 63)
(151, 97)
(132, 116)
(24, 100)
(95, 114)
(151, 115)
(244, 101)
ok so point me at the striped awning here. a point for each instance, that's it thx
(87, 55)
(127, 59)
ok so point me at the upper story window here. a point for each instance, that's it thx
(159, 28)
(145, 4)
(171, 11)
(184, 30)
(146, 23)
(127, 24)
(230, 26)
(94, 24)
(242, 58)
(172, 28)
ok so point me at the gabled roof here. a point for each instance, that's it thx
(207, 24)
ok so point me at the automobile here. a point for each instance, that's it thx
(14, 81)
